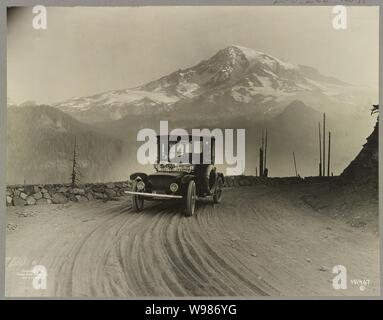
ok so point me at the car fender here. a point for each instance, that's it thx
(139, 176)
(186, 178)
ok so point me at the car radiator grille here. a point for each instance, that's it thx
(161, 182)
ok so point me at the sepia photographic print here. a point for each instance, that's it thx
(192, 151)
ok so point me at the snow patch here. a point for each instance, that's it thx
(255, 55)
(187, 89)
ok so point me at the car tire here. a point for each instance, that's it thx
(218, 191)
(190, 198)
(137, 201)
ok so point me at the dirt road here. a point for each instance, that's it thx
(259, 241)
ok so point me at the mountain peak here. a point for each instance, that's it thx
(296, 104)
(235, 51)
(234, 79)
(298, 109)
(256, 56)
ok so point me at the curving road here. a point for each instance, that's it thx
(259, 241)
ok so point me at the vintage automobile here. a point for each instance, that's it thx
(184, 181)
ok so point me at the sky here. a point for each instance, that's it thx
(86, 51)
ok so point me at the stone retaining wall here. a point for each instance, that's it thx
(20, 195)
(237, 181)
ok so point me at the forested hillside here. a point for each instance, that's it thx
(40, 142)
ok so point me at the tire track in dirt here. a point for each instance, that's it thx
(107, 250)
(82, 257)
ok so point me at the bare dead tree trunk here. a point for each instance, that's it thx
(329, 148)
(324, 145)
(295, 165)
(320, 151)
(261, 157)
(261, 162)
(264, 164)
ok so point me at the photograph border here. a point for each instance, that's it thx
(4, 4)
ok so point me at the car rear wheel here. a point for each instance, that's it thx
(190, 198)
(137, 200)
(218, 191)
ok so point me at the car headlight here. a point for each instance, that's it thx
(140, 185)
(173, 187)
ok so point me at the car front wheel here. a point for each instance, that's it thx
(218, 191)
(190, 198)
(137, 200)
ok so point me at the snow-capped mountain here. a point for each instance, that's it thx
(236, 79)
(236, 88)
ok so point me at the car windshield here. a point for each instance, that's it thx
(184, 150)
(181, 150)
